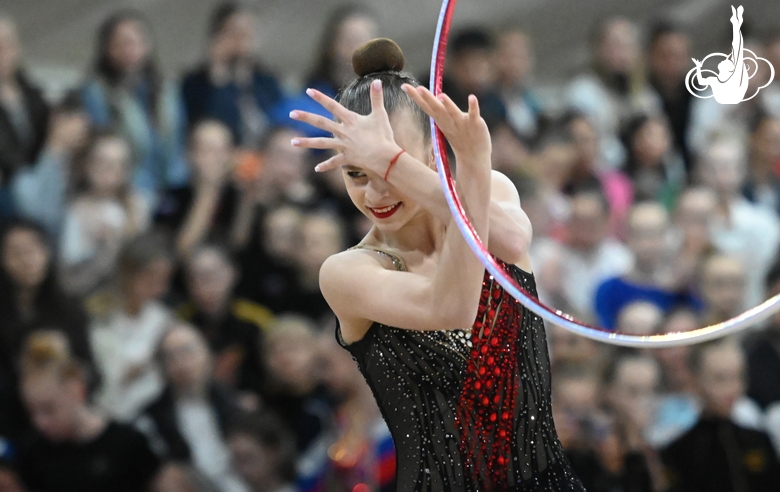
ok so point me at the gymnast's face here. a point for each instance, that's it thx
(385, 205)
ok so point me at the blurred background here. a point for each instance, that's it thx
(161, 324)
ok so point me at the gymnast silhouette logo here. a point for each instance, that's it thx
(730, 84)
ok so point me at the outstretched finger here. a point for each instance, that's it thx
(315, 120)
(316, 143)
(377, 97)
(330, 104)
(473, 108)
(332, 163)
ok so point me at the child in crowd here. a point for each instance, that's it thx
(104, 212)
(191, 415)
(129, 325)
(717, 454)
(76, 447)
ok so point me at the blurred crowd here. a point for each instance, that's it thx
(161, 325)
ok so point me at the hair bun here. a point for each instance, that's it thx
(378, 55)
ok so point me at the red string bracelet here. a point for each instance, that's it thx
(395, 159)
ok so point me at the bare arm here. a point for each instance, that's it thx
(196, 225)
(357, 288)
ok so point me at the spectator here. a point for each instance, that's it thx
(269, 271)
(668, 62)
(76, 447)
(656, 172)
(9, 478)
(693, 215)
(207, 205)
(717, 454)
(31, 298)
(362, 450)
(192, 413)
(763, 361)
(748, 232)
(587, 174)
(771, 94)
(129, 325)
(24, 114)
(263, 452)
(127, 91)
(569, 272)
(631, 384)
(762, 186)
(40, 191)
(722, 288)
(104, 212)
(233, 327)
(615, 87)
(346, 29)
(293, 388)
(232, 86)
(514, 63)
(322, 235)
(652, 277)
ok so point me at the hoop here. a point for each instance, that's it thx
(554, 316)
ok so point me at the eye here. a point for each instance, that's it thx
(356, 174)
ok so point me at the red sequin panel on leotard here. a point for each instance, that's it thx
(486, 410)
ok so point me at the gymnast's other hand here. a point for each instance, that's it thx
(466, 132)
(363, 141)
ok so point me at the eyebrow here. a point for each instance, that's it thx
(350, 167)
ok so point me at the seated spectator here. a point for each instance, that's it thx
(361, 451)
(127, 91)
(191, 415)
(763, 361)
(717, 454)
(9, 478)
(322, 235)
(104, 212)
(615, 87)
(510, 150)
(587, 174)
(668, 60)
(232, 86)
(24, 113)
(652, 277)
(569, 272)
(31, 298)
(722, 288)
(76, 447)
(206, 206)
(515, 62)
(471, 71)
(129, 324)
(626, 460)
(40, 190)
(746, 231)
(346, 29)
(233, 327)
(293, 389)
(694, 212)
(576, 394)
(269, 271)
(762, 185)
(263, 453)
(655, 170)
(568, 349)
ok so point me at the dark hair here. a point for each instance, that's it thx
(141, 251)
(472, 38)
(323, 67)
(105, 68)
(381, 56)
(270, 431)
(629, 132)
(663, 28)
(222, 14)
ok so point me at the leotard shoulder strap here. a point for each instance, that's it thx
(398, 263)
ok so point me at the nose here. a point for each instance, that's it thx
(377, 189)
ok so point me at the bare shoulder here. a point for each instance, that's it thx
(503, 188)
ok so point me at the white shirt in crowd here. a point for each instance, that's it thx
(125, 348)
